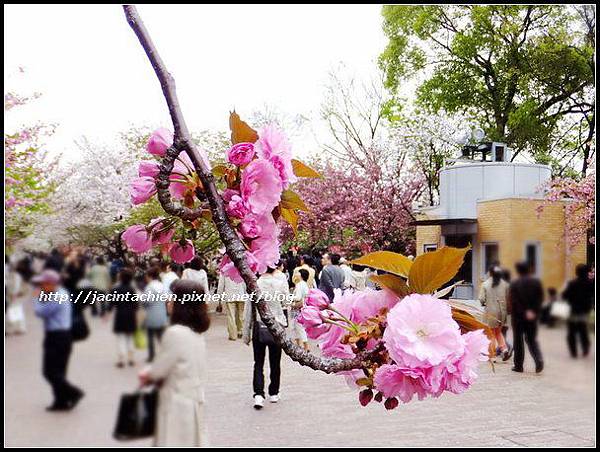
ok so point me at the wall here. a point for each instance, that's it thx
(427, 235)
(513, 222)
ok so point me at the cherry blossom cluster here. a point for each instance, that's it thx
(421, 349)
(255, 176)
(263, 171)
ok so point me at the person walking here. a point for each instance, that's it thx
(332, 276)
(306, 264)
(281, 272)
(125, 321)
(580, 296)
(232, 293)
(196, 272)
(55, 261)
(349, 281)
(255, 331)
(493, 296)
(361, 276)
(99, 276)
(16, 291)
(525, 300)
(156, 311)
(296, 331)
(180, 368)
(57, 318)
(169, 274)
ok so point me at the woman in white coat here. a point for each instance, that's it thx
(180, 370)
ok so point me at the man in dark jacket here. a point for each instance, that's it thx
(332, 275)
(526, 295)
(580, 296)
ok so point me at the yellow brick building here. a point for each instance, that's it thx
(494, 206)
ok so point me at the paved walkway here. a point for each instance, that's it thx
(556, 408)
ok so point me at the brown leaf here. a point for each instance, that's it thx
(291, 200)
(240, 131)
(393, 283)
(387, 261)
(291, 217)
(303, 170)
(364, 381)
(431, 270)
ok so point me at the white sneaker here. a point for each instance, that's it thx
(259, 402)
(274, 398)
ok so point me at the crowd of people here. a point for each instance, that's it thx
(523, 299)
(172, 332)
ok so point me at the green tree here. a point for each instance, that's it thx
(517, 69)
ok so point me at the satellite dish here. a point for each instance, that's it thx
(479, 134)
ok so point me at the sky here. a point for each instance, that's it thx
(96, 80)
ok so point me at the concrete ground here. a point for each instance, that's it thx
(556, 408)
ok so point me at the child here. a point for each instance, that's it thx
(300, 292)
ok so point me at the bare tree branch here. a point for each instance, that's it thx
(233, 245)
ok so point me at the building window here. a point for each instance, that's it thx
(490, 256)
(532, 257)
(429, 247)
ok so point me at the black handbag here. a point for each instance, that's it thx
(263, 334)
(137, 415)
(79, 327)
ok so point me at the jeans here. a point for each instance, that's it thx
(57, 350)
(528, 330)
(258, 382)
(578, 329)
(152, 333)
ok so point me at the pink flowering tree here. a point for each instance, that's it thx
(395, 342)
(356, 211)
(580, 209)
(27, 173)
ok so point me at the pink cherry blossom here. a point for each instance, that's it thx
(148, 168)
(10, 202)
(312, 321)
(160, 236)
(265, 251)
(249, 227)
(182, 253)
(228, 194)
(137, 239)
(236, 207)
(177, 189)
(228, 269)
(261, 187)
(404, 383)
(463, 372)
(142, 189)
(364, 304)
(273, 145)
(420, 331)
(241, 154)
(316, 298)
(160, 140)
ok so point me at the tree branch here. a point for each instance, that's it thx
(233, 245)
